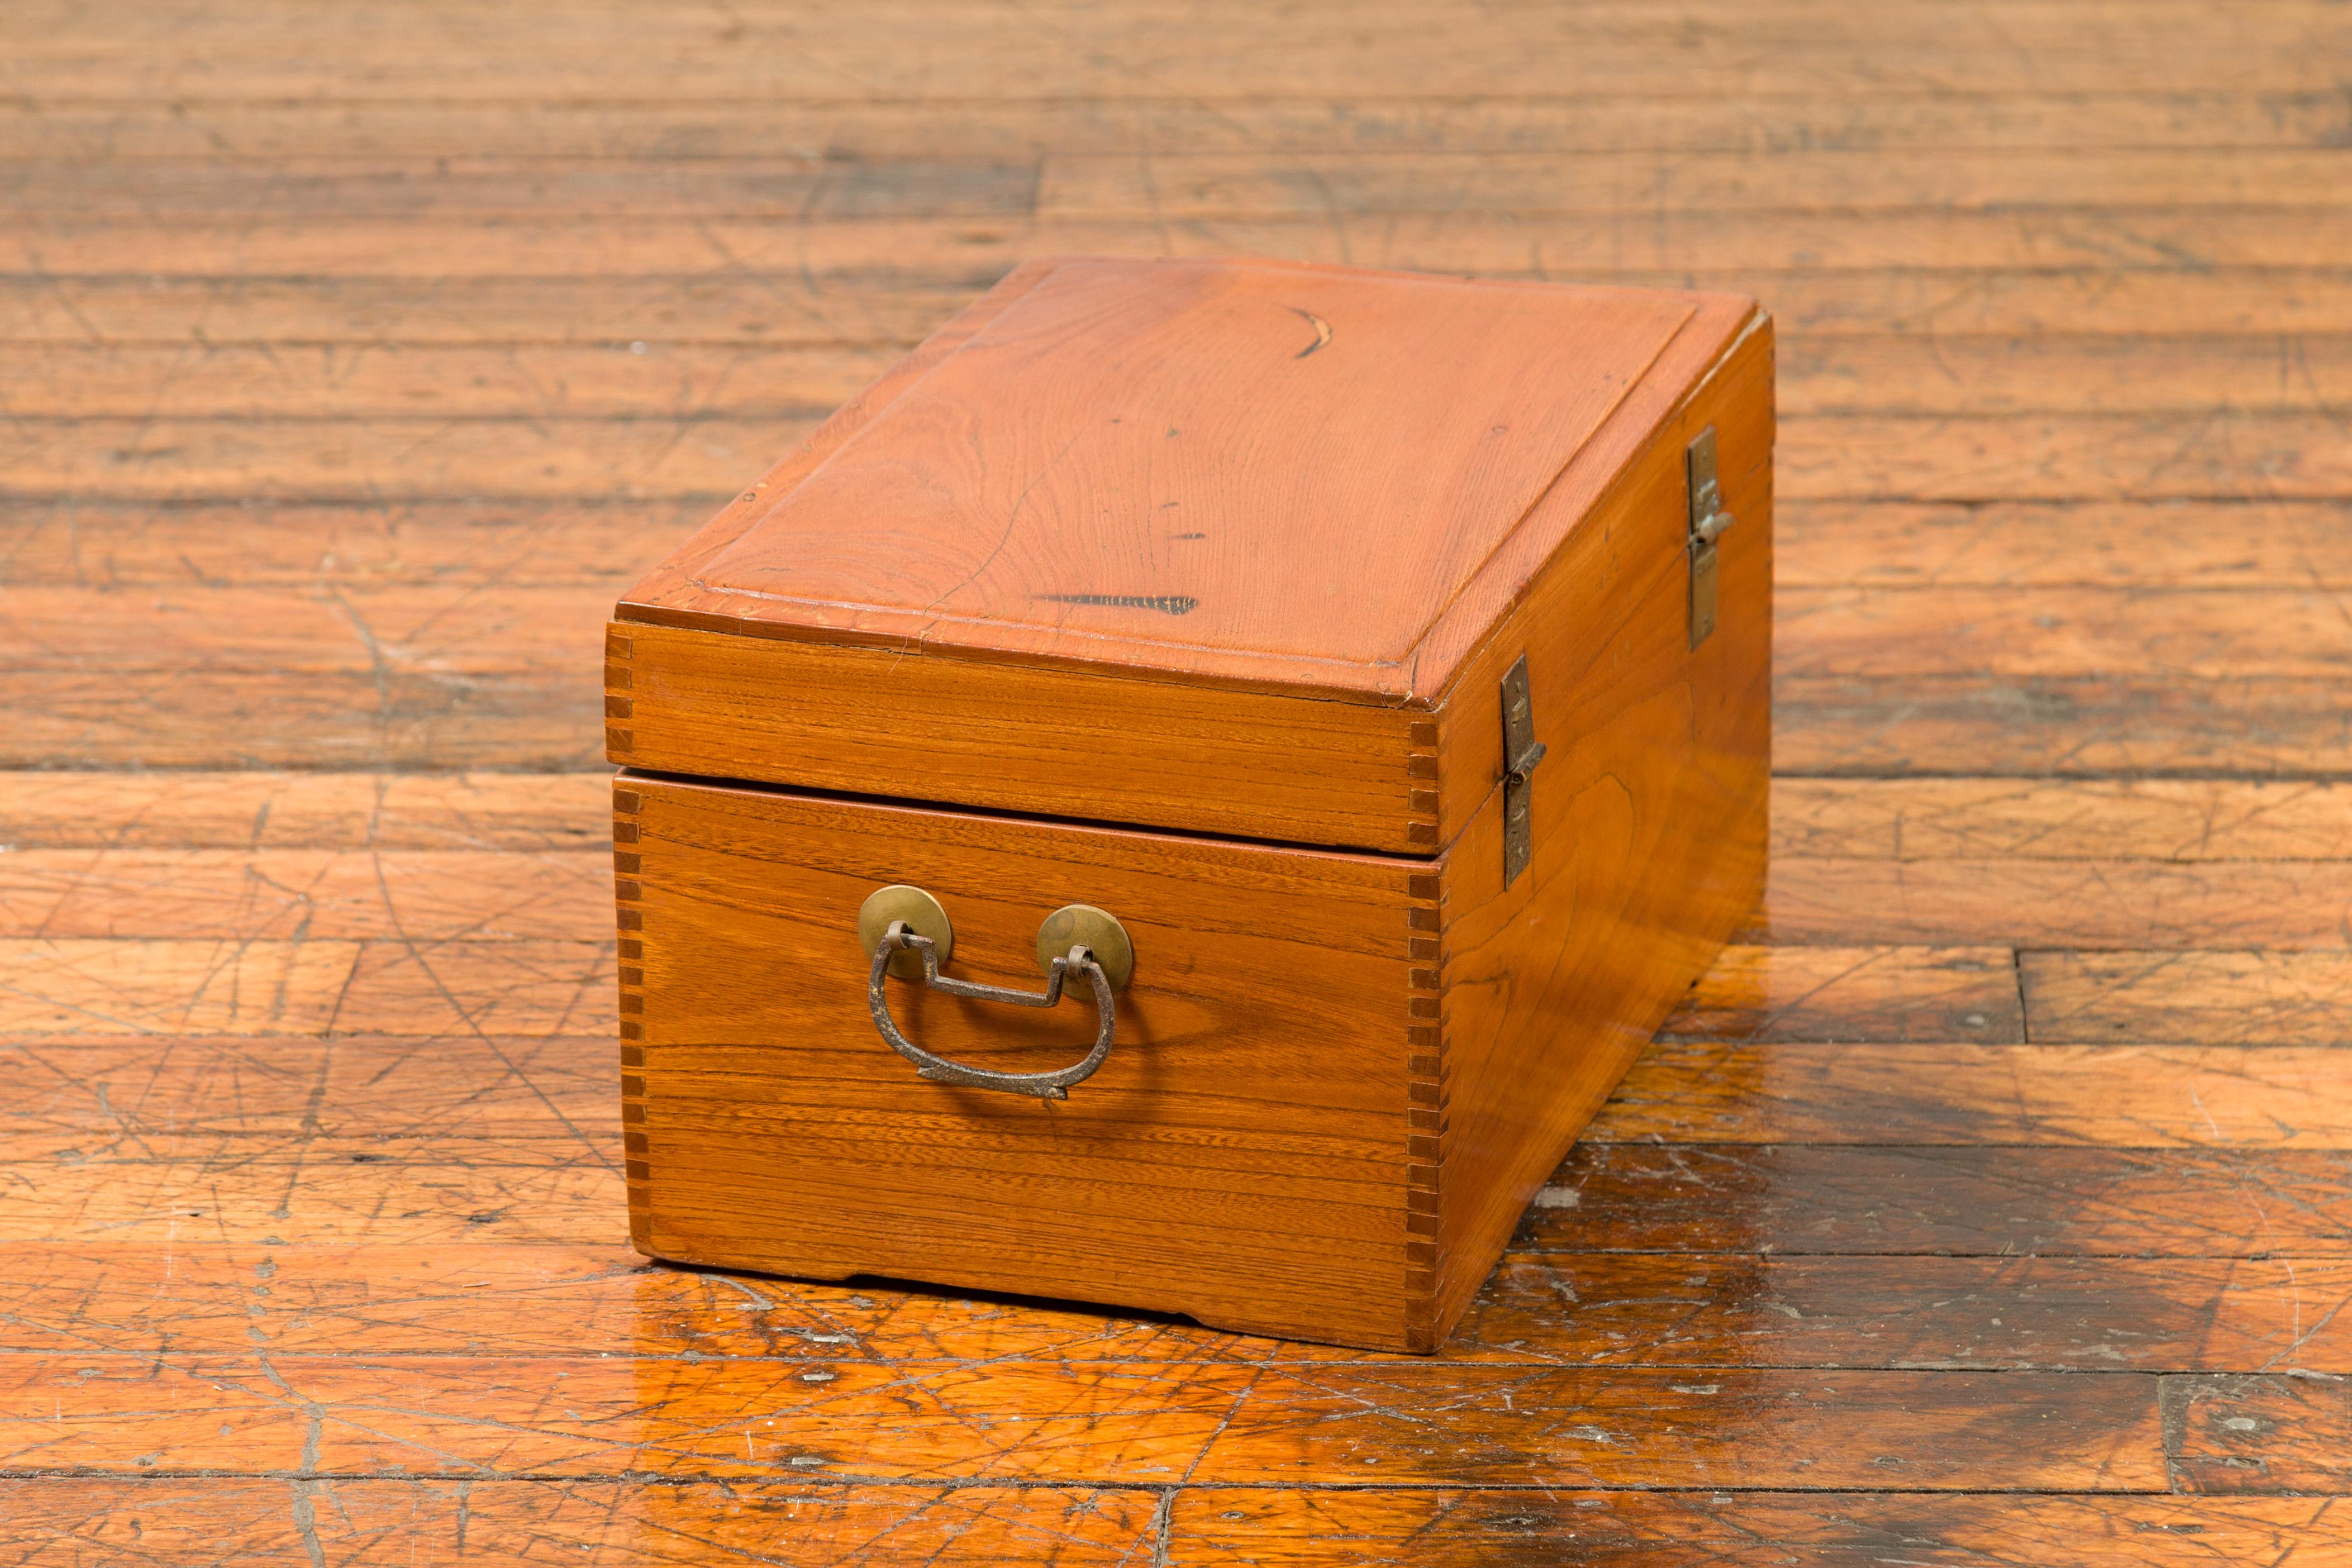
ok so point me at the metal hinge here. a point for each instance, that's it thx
(1708, 521)
(1521, 752)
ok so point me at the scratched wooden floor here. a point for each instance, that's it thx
(1991, 1204)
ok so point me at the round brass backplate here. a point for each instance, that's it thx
(1099, 932)
(923, 916)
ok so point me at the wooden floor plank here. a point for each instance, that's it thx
(80, 985)
(2187, 635)
(281, 52)
(1758, 123)
(2258, 1434)
(1208, 185)
(1158, 186)
(265, 811)
(803, 307)
(421, 895)
(1875, 377)
(389, 718)
(2219, 998)
(1855, 994)
(655, 454)
(2050, 456)
(2173, 1314)
(808, 311)
(347, 1523)
(1908, 373)
(121, 1097)
(470, 545)
(1464, 54)
(309, 459)
(555, 1193)
(283, 25)
(465, 545)
(866, 252)
(296, 631)
(681, 381)
(2204, 456)
(1283, 1528)
(481, 1297)
(2099, 543)
(2123, 1096)
(1796, 1200)
(2184, 821)
(1862, 119)
(2278, 905)
(1008, 1420)
(2082, 725)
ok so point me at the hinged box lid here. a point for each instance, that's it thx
(1187, 544)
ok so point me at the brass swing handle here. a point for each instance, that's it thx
(903, 926)
(1053, 1085)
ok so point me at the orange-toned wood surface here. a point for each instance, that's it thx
(977, 584)
(1989, 1202)
(1340, 1078)
(1240, 1157)
(1105, 448)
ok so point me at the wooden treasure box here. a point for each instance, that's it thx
(1351, 687)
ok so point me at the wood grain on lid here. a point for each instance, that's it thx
(1255, 469)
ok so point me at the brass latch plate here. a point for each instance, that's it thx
(1707, 522)
(1521, 752)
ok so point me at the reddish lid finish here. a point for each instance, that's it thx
(1269, 473)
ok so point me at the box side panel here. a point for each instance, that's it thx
(1576, 602)
(1648, 820)
(1533, 566)
(1042, 740)
(1240, 1157)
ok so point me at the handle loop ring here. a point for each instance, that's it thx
(899, 938)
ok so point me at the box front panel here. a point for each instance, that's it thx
(1240, 1156)
(1037, 739)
